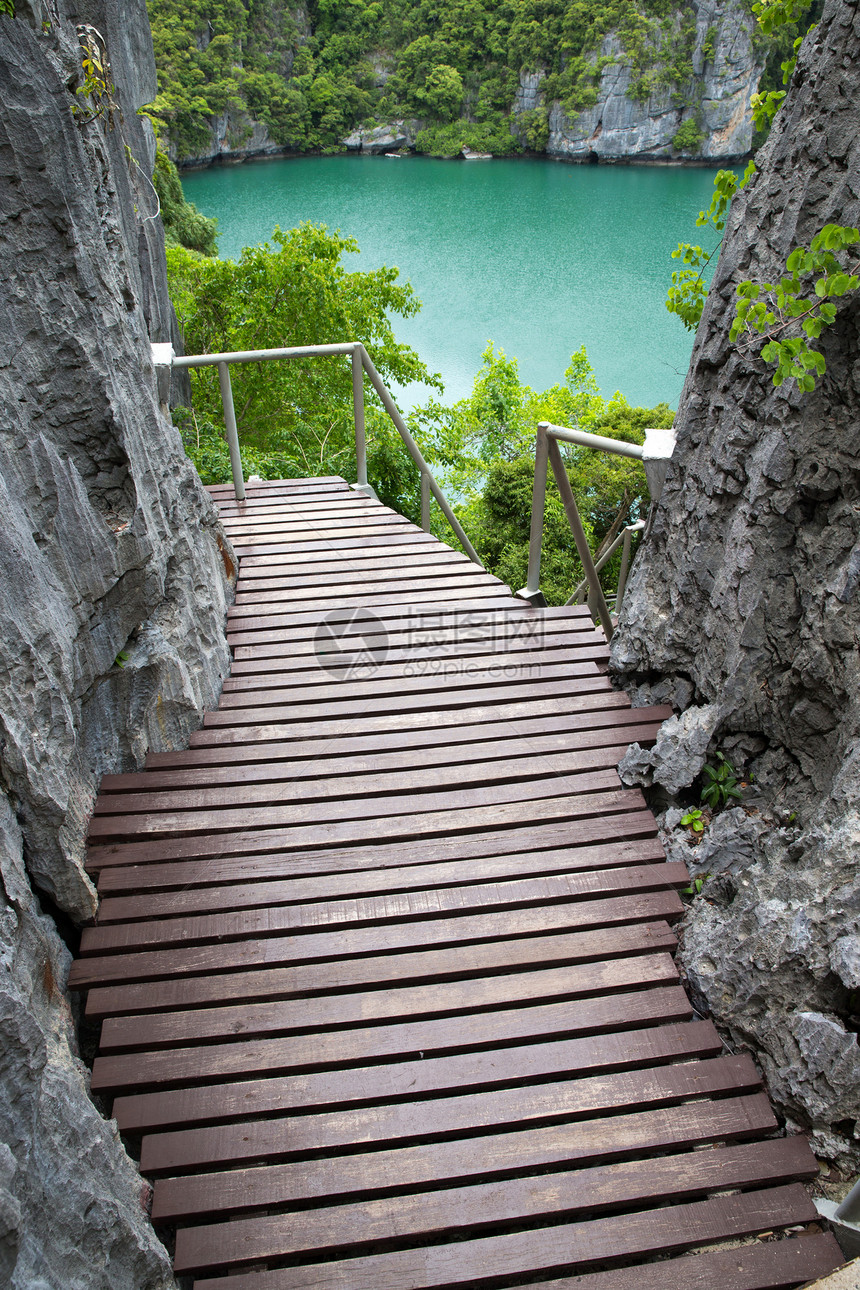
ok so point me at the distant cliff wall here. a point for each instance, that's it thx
(696, 79)
(114, 579)
(714, 106)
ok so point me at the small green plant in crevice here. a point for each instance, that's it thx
(694, 820)
(122, 658)
(7, 8)
(696, 885)
(720, 783)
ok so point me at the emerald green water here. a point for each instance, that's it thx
(537, 256)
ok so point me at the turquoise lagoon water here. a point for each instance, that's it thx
(537, 256)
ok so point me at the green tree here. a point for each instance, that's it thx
(483, 450)
(184, 225)
(295, 418)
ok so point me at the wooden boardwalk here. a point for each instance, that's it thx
(384, 960)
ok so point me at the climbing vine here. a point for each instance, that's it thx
(97, 89)
(772, 310)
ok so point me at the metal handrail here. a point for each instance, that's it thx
(654, 454)
(623, 540)
(164, 357)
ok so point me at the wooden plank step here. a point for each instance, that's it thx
(478, 622)
(387, 539)
(475, 622)
(298, 890)
(294, 762)
(402, 1080)
(692, 1175)
(773, 1265)
(686, 1125)
(403, 968)
(365, 570)
(268, 918)
(248, 691)
(584, 794)
(306, 741)
(219, 839)
(572, 835)
(571, 1247)
(311, 788)
(208, 1062)
(426, 933)
(410, 1121)
(331, 669)
(148, 1030)
(575, 714)
(249, 601)
(405, 708)
(391, 654)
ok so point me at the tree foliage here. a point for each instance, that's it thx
(777, 314)
(483, 450)
(184, 224)
(295, 418)
(452, 64)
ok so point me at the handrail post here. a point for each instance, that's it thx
(624, 570)
(416, 455)
(358, 407)
(425, 501)
(232, 430)
(531, 591)
(579, 537)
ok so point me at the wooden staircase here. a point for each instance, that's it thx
(384, 959)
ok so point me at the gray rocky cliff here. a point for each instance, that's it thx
(726, 73)
(114, 581)
(745, 603)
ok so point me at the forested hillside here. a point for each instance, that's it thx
(258, 75)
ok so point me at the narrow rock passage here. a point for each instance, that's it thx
(384, 958)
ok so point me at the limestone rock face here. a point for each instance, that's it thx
(726, 74)
(72, 1205)
(234, 137)
(114, 579)
(746, 593)
(383, 138)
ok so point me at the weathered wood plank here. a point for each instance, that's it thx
(225, 892)
(297, 762)
(404, 968)
(574, 714)
(428, 933)
(571, 1247)
(573, 835)
(269, 919)
(312, 788)
(408, 1121)
(444, 1213)
(686, 1125)
(400, 1080)
(209, 1062)
(246, 1020)
(445, 821)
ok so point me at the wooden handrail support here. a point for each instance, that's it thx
(165, 359)
(655, 455)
